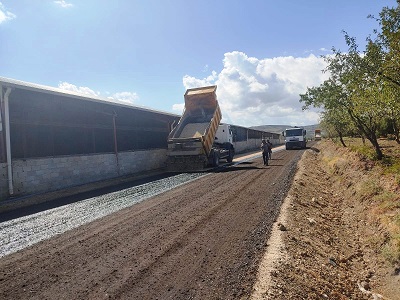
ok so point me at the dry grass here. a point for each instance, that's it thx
(380, 188)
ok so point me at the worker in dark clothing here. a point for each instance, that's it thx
(265, 151)
(270, 149)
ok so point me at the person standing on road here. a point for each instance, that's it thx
(265, 152)
(270, 149)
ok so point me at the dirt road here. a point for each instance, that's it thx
(202, 240)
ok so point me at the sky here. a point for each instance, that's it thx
(261, 54)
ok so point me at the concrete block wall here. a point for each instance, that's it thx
(240, 147)
(276, 142)
(139, 161)
(252, 144)
(38, 175)
(31, 176)
(249, 145)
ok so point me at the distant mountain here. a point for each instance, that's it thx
(279, 128)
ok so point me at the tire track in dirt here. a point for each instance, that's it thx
(225, 203)
(202, 240)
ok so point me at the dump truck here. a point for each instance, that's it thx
(295, 137)
(199, 140)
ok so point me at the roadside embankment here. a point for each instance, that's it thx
(339, 238)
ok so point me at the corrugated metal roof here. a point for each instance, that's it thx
(8, 82)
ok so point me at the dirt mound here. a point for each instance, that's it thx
(332, 245)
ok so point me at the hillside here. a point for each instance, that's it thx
(279, 128)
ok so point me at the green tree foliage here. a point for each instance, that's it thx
(351, 90)
(391, 94)
(337, 124)
(388, 43)
(364, 87)
(385, 61)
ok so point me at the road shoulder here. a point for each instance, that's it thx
(321, 246)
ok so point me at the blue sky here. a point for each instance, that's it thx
(261, 54)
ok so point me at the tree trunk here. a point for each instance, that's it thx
(363, 138)
(369, 132)
(374, 141)
(396, 131)
(379, 154)
(341, 138)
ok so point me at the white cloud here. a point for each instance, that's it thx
(125, 97)
(5, 15)
(189, 81)
(178, 108)
(63, 3)
(254, 91)
(324, 50)
(80, 90)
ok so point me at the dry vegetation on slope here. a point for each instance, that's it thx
(342, 237)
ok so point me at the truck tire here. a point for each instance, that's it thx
(215, 162)
(230, 156)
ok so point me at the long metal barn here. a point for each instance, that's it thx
(52, 139)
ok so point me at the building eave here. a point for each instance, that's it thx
(17, 84)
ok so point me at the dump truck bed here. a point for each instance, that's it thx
(194, 130)
(192, 139)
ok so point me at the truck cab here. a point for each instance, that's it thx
(295, 138)
(223, 145)
(317, 134)
(224, 134)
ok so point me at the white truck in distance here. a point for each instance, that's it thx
(295, 138)
(317, 134)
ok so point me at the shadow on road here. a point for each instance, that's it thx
(246, 163)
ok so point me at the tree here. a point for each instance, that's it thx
(337, 124)
(388, 43)
(392, 96)
(365, 86)
(352, 90)
(331, 98)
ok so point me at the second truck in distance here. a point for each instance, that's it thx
(295, 137)
(317, 134)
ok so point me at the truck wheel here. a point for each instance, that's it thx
(230, 156)
(216, 159)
